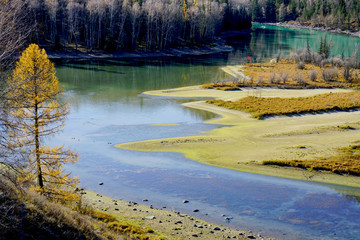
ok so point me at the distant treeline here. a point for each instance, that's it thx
(132, 24)
(344, 14)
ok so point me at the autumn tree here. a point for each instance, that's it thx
(35, 113)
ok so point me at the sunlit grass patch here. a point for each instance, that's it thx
(346, 162)
(260, 107)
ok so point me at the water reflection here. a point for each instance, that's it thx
(266, 41)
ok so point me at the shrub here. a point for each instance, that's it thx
(336, 61)
(299, 78)
(284, 77)
(347, 73)
(356, 76)
(260, 80)
(272, 78)
(317, 58)
(251, 81)
(301, 65)
(313, 75)
(330, 74)
(324, 63)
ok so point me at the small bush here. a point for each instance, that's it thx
(299, 78)
(272, 78)
(356, 76)
(260, 80)
(284, 77)
(301, 65)
(347, 73)
(313, 75)
(317, 58)
(336, 61)
(330, 75)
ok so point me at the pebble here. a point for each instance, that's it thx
(150, 217)
(195, 235)
(251, 237)
(216, 229)
(196, 210)
(101, 183)
(145, 200)
(116, 209)
(185, 201)
(178, 222)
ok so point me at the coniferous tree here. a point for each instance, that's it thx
(35, 113)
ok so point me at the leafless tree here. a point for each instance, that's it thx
(13, 31)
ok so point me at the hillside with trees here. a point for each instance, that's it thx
(343, 14)
(143, 25)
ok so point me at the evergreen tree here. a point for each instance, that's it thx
(257, 13)
(270, 11)
(34, 114)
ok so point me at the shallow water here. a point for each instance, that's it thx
(107, 109)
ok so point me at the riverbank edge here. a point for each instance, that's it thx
(223, 119)
(296, 25)
(219, 46)
(169, 224)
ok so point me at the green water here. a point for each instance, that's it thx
(266, 41)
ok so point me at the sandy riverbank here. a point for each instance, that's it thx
(166, 223)
(245, 142)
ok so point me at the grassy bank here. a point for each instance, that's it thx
(260, 107)
(244, 143)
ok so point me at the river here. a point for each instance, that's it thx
(108, 108)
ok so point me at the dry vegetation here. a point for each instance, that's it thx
(347, 162)
(25, 213)
(260, 107)
(288, 74)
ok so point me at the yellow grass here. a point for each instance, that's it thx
(260, 107)
(347, 162)
(272, 75)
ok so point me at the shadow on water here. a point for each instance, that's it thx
(107, 109)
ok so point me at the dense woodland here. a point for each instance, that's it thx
(344, 14)
(147, 25)
(130, 24)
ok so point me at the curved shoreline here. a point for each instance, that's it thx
(244, 142)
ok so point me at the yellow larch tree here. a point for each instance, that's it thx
(35, 113)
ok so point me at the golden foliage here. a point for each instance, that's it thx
(260, 107)
(35, 113)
